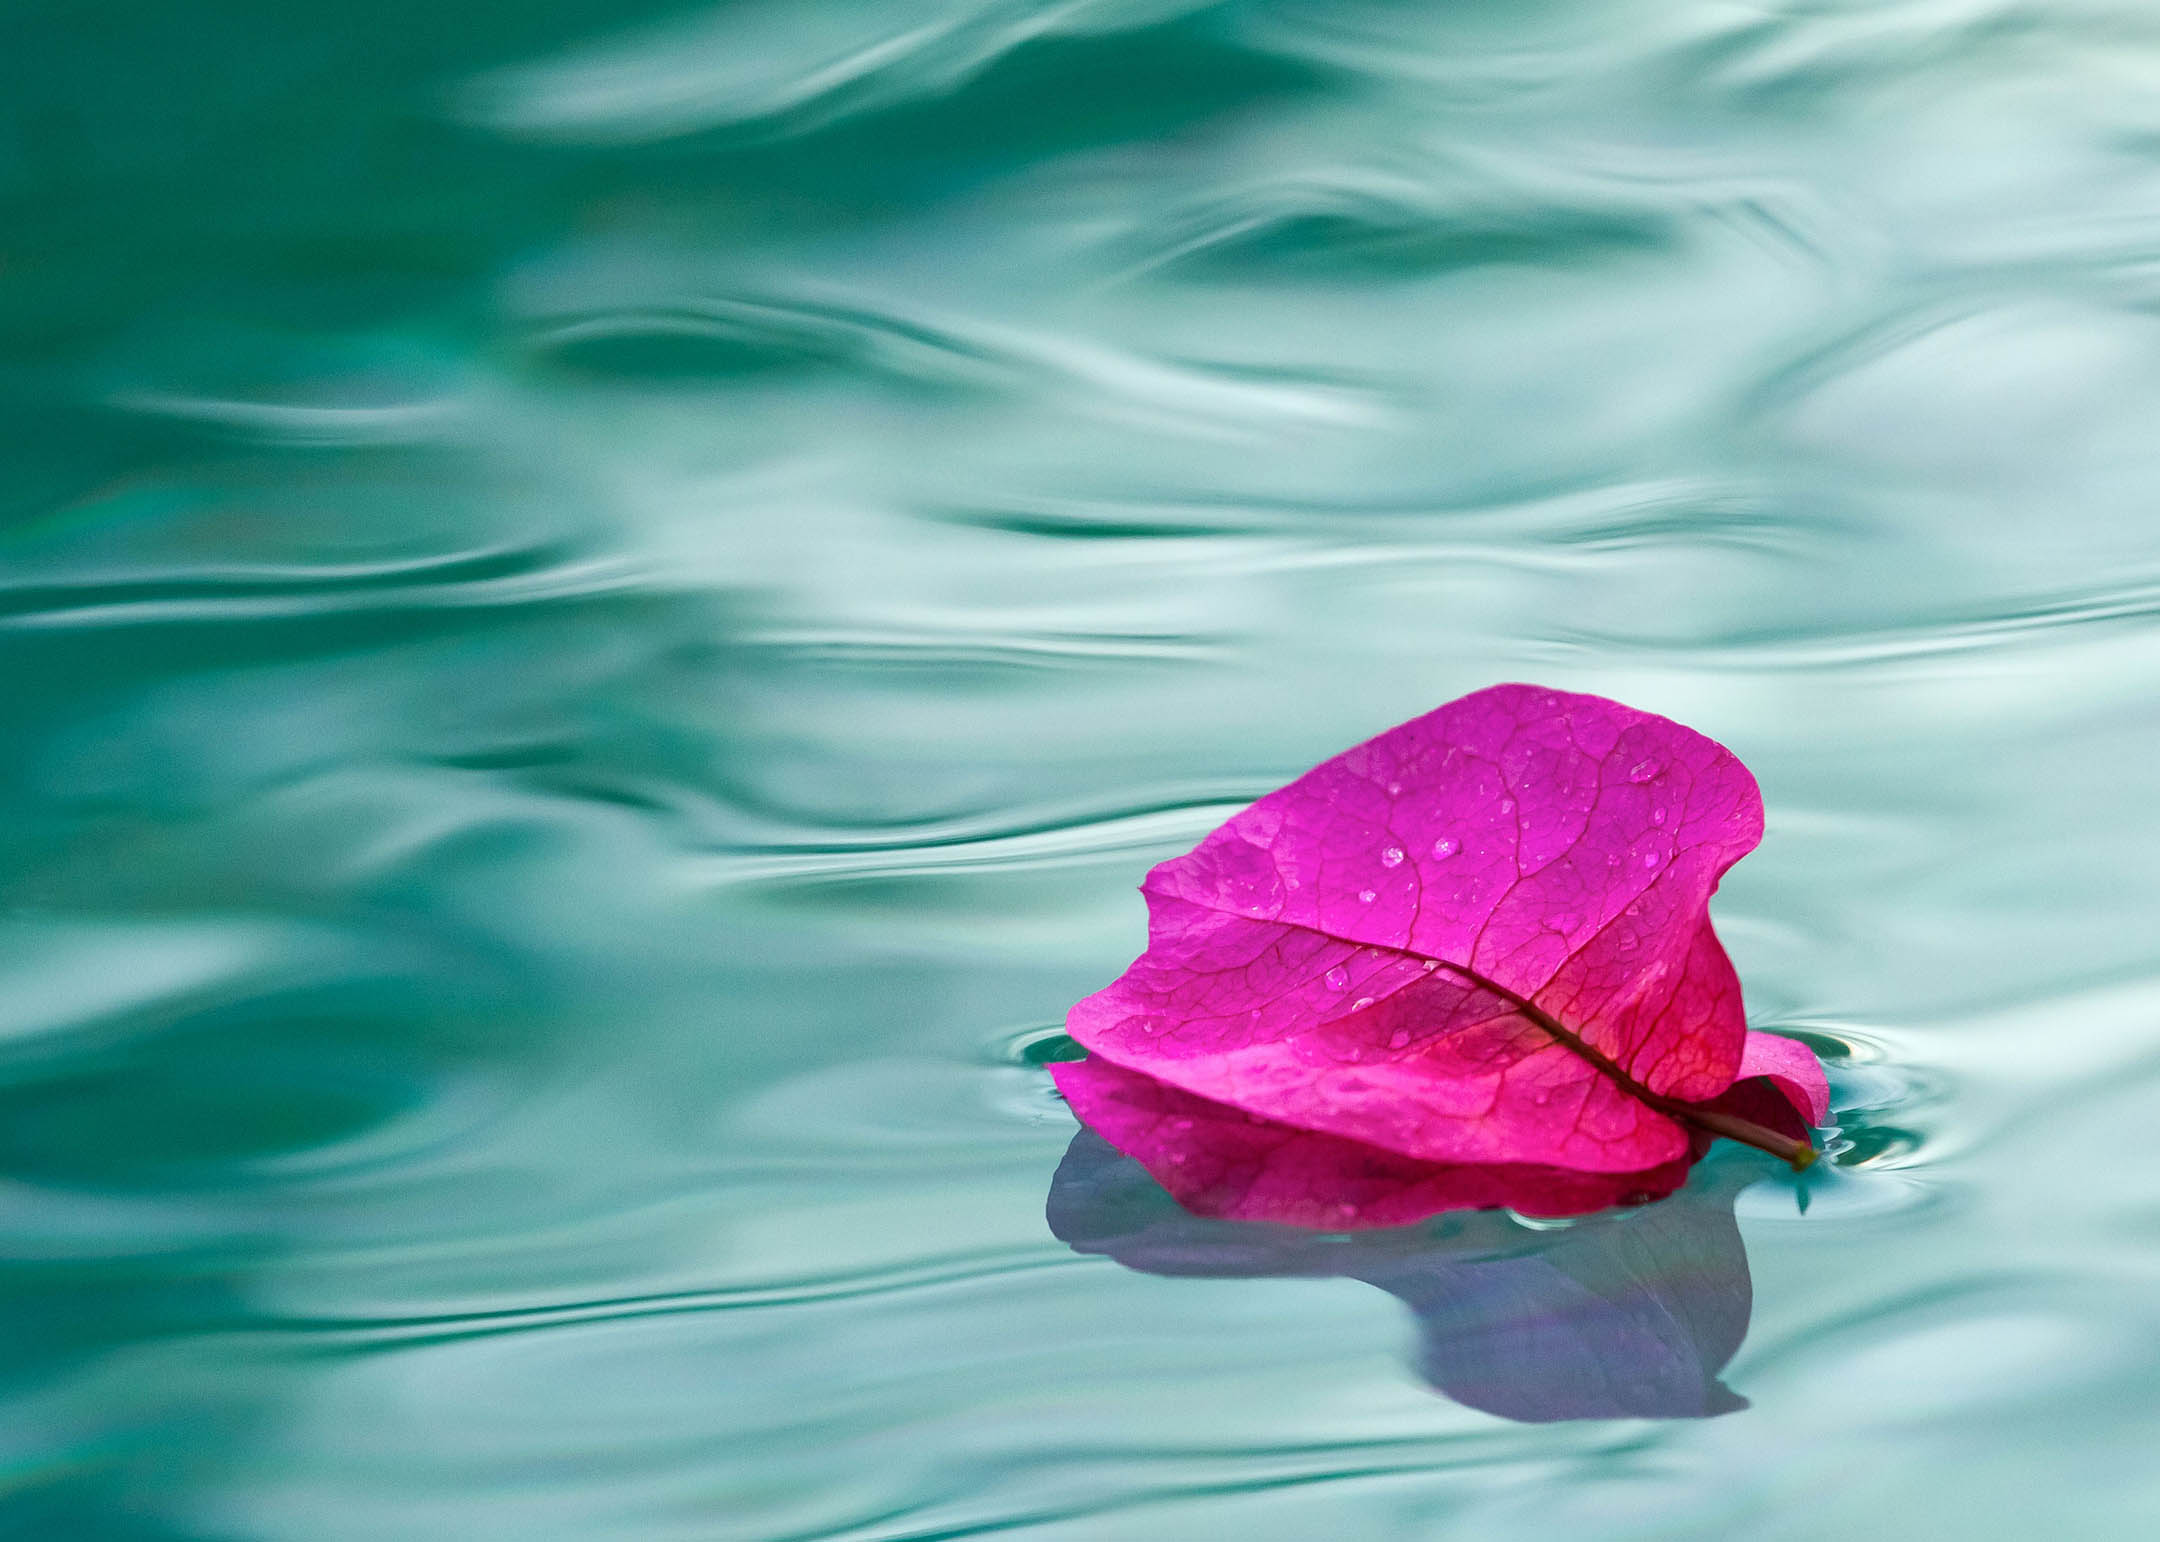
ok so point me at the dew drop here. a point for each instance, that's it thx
(1430, 965)
(1337, 978)
(1391, 856)
(1657, 816)
(1393, 788)
(1399, 1039)
(1650, 859)
(1366, 896)
(1643, 770)
(1361, 1003)
(1507, 805)
(1445, 847)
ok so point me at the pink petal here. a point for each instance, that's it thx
(1793, 1066)
(1302, 959)
(1217, 1161)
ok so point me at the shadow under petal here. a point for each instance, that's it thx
(1628, 1314)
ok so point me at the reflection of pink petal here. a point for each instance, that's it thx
(1219, 1162)
(1338, 957)
(1621, 1317)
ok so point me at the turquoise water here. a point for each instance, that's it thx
(602, 607)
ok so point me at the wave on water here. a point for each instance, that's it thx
(782, 65)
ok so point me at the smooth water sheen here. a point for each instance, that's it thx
(602, 606)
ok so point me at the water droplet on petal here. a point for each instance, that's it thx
(1391, 856)
(1430, 965)
(1361, 1003)
(1657, 816)
(1366, 896)
(1337, 978)
(1643, 770)
(1445, 847)
(1399, 1039)
(1393, 788)
(1650, 859)
(1507, 805)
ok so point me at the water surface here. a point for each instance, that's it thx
(603, 605)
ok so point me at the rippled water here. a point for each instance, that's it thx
(602, 608)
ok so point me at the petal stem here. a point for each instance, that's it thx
(1798, 1153)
